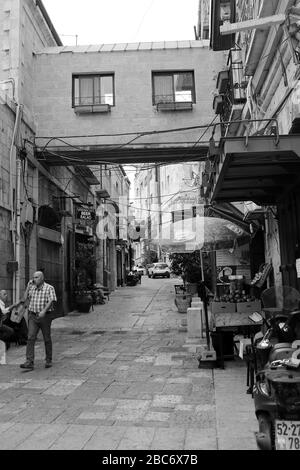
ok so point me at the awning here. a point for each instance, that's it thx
(230, 212)
(257, 168)
(87, 173)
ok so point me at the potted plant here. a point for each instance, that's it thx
(181, 266)
(84, 276)
(188, 266)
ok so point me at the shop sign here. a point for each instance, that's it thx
(85, 215)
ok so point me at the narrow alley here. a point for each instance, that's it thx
(124, 376)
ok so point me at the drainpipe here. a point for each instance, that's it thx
(15, 216)
(18, 229)
(158, 182)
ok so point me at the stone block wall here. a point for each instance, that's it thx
(133, 110)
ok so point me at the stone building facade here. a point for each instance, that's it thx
(39, 203)
(268, 84)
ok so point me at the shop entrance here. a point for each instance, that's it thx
(50, 261)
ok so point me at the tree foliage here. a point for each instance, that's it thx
(85, 265)
(187, 265)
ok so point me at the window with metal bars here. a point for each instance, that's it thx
(173, 87)
(93, 90)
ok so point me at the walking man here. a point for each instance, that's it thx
(41, 297)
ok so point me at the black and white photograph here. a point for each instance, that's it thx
(149, 228)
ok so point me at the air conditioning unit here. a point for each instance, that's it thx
(222, 82)
(218, 104)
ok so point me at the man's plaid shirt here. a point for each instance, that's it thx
(40, 296)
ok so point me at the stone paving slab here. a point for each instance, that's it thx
(136, 438)
(63, 387)
(43, 437)
(106, 438)
(17, 433)
(75, 437)
(169, 439)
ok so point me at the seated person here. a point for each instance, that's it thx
(6, 333)
(20, 330)
(17, 331)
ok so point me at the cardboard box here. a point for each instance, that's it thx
(233, 319)
(225, 307)
(243, 307)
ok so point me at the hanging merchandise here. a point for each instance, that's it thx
(261, 277)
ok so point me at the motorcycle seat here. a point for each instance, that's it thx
(281, 351)
(282, 346)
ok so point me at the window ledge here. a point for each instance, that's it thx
(89, 109)
(175, 106)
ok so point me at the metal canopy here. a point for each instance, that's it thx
(256, 168)
(91, 155)
(87, 173)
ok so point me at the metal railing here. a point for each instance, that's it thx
(93, 100)
(248, 122)
(174, 98)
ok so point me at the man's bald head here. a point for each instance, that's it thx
(38, 278)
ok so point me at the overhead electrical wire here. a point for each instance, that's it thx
(79, 159)
(152, 132)
(71, 162)
(114, 165)
(166, 195)
(140, 208)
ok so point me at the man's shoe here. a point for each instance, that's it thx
(27, 365)
(48, 364)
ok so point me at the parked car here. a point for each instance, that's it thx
(160, 269)
(149, 269)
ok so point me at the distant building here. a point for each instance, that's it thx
(164, 195)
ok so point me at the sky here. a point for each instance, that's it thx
(118, 21)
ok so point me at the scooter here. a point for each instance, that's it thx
(132, 278)
(276, 391)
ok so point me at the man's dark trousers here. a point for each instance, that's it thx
(34, 325)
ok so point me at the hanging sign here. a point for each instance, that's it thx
(85, 214)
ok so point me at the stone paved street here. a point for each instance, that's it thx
(124, 376)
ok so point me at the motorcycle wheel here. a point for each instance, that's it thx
(266, 428)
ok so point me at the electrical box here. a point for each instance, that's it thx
(12, 266)
(223, 11)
